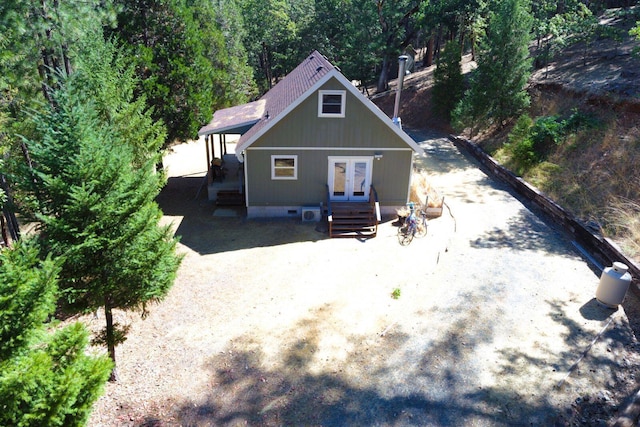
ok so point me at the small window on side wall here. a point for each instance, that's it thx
(331, 103)
(284, 167)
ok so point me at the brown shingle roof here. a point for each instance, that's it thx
(312, 73)
(290, 88)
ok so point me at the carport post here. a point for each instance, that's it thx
(206, 146)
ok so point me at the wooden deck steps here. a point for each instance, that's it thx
(351, 219)
(230, 198)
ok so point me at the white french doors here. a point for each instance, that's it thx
(350, 178)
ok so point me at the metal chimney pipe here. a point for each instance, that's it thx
(402, 65)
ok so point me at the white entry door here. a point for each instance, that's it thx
(350, 178)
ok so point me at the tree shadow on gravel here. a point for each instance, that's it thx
(383, 380)
(578, 363)
(631, 305)
(524, 232)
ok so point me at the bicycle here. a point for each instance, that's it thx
(413, 226)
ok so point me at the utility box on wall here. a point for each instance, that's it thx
(311, 214)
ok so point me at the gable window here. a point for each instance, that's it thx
(331, 103)
(284, 167)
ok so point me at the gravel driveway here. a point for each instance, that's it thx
(272, 323)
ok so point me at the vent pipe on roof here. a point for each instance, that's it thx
(402, 64)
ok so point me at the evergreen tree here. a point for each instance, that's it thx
(107, 77)
(94, 199)
(497, 89)
(344, 31)
(45, 379)
(39, 40)
(240, 86)
(399, 22)
(448, 85)
(182, 61)
(271, 37)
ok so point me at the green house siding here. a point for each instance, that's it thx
(360, 128)
(390, 177)
(313, 139)
(308, 189)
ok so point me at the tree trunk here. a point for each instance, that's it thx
(438, 42)
(473, 48)
(49, 65)
(110, 337)
(428, 61)
(11, 225)
(383, 80)
(3, 232)
(266, 64)
(64, 47)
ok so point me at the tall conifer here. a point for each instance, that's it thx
(93, 194)
(448, 85)
(497, 89)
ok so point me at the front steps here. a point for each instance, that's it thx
(352, 219)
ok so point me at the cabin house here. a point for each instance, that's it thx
(313, 145)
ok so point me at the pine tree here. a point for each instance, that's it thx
(93, 194)
(448, 85)
(182, 61)
(45, 379)
(497, 89)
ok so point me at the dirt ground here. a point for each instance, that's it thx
(273, 323)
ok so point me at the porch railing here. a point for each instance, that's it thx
(329, 213)
(375, 204)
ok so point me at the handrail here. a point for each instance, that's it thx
(329, 213)
(373, 200)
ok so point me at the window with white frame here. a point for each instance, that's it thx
(331, 103)
(284, 167)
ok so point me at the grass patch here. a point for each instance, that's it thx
(624, 222)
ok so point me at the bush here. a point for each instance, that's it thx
(520, 145)
(531, 142)
(579, 120)
(547, 132)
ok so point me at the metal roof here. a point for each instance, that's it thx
(236, 119)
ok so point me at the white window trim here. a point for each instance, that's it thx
(343, 95)
(275, 157)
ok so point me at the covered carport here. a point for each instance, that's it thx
(225, 174)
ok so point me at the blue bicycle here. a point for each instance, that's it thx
(413, 226)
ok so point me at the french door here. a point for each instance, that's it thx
(350, 178)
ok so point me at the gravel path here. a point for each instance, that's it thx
(272, 323)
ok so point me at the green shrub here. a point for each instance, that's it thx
(531, 142)
(547, 132)
(520, 145)
(579, 120)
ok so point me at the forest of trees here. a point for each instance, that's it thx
(92, 91)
